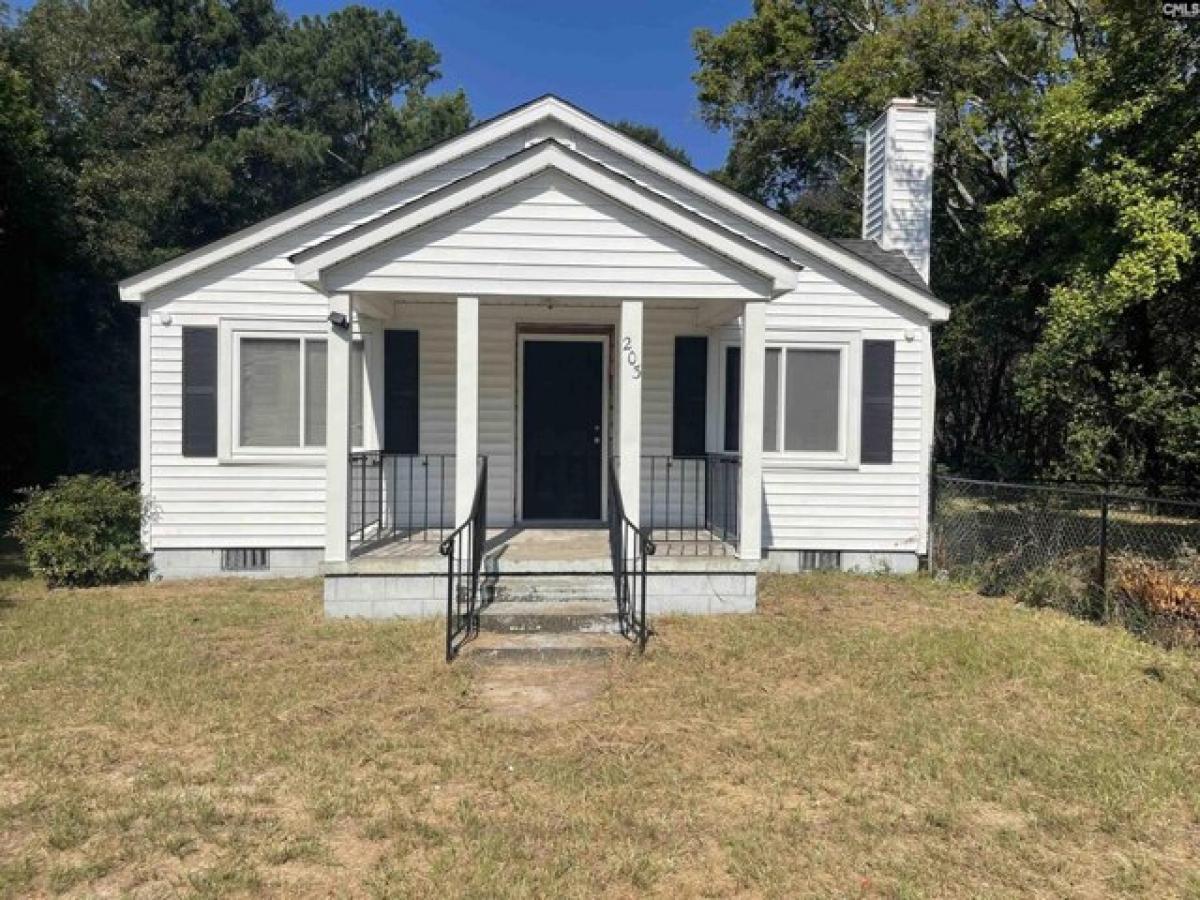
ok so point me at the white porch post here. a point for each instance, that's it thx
(337, 436)
(629, 398)
(754, 353)
(466, 427)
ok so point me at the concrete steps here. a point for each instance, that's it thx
(543, 648)
(549, 587)
(550, 617)
(548, 620)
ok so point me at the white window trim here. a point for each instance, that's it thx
(232, 332)
(849, 343)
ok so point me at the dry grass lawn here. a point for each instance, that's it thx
(858, 737)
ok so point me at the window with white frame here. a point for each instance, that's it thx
(810, 398)
(804, 400)
(280, 391)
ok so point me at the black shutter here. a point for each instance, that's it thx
(199, 392)
(733, 399)
(878, 384)
(401, 392)
(690, 396)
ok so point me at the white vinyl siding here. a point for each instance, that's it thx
(202, 503)
(859, 508)
(206, 503)
(550, 237)
(498, 387)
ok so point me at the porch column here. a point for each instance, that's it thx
(337, 430)
(754, 353)
(466, 422)
(629, 399)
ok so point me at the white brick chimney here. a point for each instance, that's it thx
(898, 181)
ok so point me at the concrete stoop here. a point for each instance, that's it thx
(550, 629)
(543, 648)
(548, 587)
(550, 617)
(380, 589)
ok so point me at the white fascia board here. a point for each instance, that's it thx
(310, 264)
(761, 216)
(135, 288)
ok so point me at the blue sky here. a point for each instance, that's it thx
(615, 58)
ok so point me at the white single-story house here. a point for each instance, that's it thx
(544, 324)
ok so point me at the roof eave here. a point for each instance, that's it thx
(136, 288)
(311, 263)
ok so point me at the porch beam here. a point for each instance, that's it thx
(709, 315)
(375, 307)
(337, 436)
(629, 398)
(754, 353)
(466, 406)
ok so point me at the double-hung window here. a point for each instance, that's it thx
(811, 400)
(277, 388)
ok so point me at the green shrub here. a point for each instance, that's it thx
(83, 530)
(1062, 587)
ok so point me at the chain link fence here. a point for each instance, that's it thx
(1104, 555)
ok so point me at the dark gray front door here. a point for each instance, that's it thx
(561, 434)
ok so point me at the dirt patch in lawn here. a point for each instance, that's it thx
(547, 692)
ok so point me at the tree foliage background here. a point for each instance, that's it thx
(134, 130)
(1067, 192)
(1067, 205)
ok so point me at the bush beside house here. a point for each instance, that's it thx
(83, 530)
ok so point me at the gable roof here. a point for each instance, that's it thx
(862, 269)
(312, 263)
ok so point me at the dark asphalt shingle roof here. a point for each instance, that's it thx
(893, 262)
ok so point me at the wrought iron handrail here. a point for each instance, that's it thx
(463, 550)
(629, 547)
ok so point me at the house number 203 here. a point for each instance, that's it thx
(631, 358)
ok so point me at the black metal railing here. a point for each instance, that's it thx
(463, 550)
(400, 497)
(691, 502)
(630, 547)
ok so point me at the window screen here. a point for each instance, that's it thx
(771, 402)
(813, 401)
(270, 392)
(357, 373)
(690, 396)
(315, 377)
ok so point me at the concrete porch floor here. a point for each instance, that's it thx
(534, 549)
(408, 578)
(556, 543)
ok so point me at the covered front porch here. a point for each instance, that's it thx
(554, 437)
(521, 488)
(544, 344)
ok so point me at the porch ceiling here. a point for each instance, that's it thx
(547, 222)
